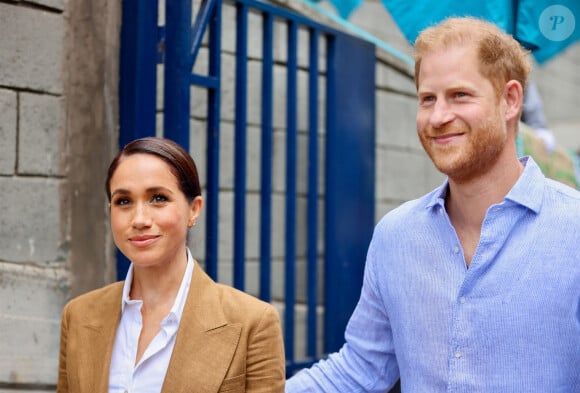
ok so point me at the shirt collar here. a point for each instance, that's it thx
(179, 303)
(528, 190)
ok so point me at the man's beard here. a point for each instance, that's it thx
(467, 160)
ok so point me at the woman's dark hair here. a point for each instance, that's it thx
(180, 163)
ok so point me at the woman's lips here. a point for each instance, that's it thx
(143, 240)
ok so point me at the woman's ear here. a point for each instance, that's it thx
(514, 99)
(195, 211)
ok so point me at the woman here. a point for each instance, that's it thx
(168, 327)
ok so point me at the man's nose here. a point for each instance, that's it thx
(442, 114)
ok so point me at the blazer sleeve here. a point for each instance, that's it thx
(62, 383)
(266, 364)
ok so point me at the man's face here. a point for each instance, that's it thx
(459, 120)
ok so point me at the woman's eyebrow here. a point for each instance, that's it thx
(121, 191)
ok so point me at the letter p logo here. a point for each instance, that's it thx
(556, 20)
(557, 23)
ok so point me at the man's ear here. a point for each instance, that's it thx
(514, 99)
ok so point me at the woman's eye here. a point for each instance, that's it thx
(121, 201)
(159, 198)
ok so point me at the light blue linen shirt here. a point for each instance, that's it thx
(509, 323)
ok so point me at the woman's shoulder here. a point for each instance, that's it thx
(234, 303)
(239, 305)
(231, 295)
(97, 297)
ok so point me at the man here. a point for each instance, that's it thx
(474, 287)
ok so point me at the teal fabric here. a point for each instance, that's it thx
(546, 27)
(551, 26)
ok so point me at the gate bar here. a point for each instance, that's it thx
(177, 74)
(312, 215)
(266, 157)
(291, 148)
(240, 145)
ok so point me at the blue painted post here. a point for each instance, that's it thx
(177, 71)
(350, 179)
(138, 82)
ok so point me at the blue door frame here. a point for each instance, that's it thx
(350, 143)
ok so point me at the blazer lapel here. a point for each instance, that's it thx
(205, 342)
(97, 335)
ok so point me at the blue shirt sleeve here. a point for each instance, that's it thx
(366, 362)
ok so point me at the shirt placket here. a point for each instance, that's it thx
(459, 350)
(461, 355)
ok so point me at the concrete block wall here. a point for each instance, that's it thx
(58, 121)
(33, 279)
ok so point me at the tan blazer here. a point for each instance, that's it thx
(227, 341)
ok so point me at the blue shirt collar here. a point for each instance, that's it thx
(528, 190)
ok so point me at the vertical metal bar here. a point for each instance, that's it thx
(266, 157)
(291, 147)
(138, 82)
(240, 145)
(177, 72)
(213, 137)
(330, 203)
(312, 207)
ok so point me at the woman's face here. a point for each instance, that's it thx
(150, 215)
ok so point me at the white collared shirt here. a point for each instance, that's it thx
(148, 375)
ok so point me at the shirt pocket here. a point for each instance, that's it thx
(235, 384)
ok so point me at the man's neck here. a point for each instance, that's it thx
(468, 202)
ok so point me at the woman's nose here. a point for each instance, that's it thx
(142, 217)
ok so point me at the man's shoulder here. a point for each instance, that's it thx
(413, 210)
(562, 189)
(561, 196)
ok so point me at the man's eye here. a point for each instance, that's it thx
(460, 94)
(159, 198)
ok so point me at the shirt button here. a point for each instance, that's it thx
(462, 300)
(457, 356)
(456, 250)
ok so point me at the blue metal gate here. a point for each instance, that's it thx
(341, 189)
